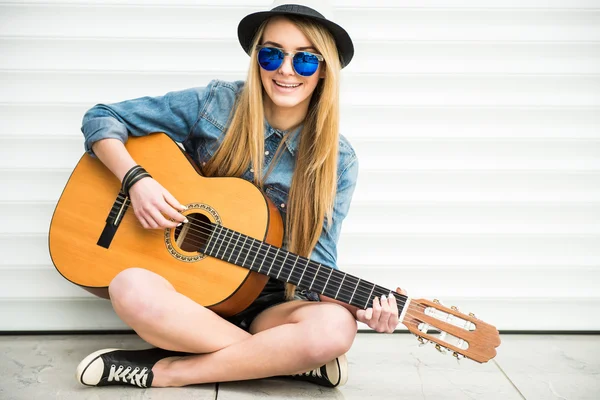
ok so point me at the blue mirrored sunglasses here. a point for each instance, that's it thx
(304, 63)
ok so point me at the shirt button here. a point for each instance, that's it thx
(267, 153)
(203, 164)
(252, 170)
(282, 205)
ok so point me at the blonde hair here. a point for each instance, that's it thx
(313, 186)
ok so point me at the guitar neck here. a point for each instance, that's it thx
(255, 255)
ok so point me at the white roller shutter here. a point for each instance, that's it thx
(477, 123)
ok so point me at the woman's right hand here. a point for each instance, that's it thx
(152, 202)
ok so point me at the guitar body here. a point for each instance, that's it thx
(90, 250)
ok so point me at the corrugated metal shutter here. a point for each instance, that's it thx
(477, 124)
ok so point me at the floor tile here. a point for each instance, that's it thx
(43, 367)
(390, 367)
(552, 366)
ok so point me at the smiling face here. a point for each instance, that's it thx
(286, 90)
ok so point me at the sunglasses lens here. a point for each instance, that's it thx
(270, 58)
(305, 64)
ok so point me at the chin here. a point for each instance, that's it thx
(286, 102)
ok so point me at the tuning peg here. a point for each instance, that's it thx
(454, 308)
(439, 348)
(472, 315)
(458, 356)
(436, 301)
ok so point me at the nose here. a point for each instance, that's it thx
(286, 66)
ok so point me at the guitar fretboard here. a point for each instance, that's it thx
(255, 255)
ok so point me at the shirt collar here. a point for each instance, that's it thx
(292, 140)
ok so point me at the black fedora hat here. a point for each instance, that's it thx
(249, 25)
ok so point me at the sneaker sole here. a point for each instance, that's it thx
(343, 371)
(86, 362)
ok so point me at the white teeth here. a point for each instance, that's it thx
(286, 85)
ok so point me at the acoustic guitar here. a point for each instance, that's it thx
(226, 253)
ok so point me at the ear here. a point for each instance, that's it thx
(322, 73)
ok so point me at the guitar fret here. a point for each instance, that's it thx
(327, 281)
(221, 245)
(234, 246)
(273, 262)
(240, 252)
(227, 244)
(210, 238)
(292, 270)
(248, 253)
(303, 272)
(369, 298)
(215, 242)
(265, 257)
(282, 265)
(255, 255)
(313, 281)
(355, 287)
(338, 291)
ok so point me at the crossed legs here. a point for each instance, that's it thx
(285, 339)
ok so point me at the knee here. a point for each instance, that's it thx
(133, 294)
(331, 333)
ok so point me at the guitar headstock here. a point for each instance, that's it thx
(463, 335)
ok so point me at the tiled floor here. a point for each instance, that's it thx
(381, 367)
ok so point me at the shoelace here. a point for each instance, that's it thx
(128, 375)
(315, 372)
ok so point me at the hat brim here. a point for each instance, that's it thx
(249, 25)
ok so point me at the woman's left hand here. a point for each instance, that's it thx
(383, 316)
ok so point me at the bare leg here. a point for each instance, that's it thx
(310, 335)
(150, 305)
(289, 338)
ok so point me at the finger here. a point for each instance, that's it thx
(159, 220)
(149, 221)
(385, 314)
(173, 201)
(393, 320)
(393, 305)
(401, 291)
(142, 220)
(376, 310)
(170, 212)
(360, 315)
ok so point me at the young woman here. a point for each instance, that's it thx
(278, 129)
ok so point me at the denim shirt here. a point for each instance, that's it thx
(198, 119)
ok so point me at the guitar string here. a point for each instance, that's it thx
(261, 246)
(252, 251)
(380, 290)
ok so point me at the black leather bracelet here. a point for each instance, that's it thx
(128, 175)
(136, 178)
(132, 176)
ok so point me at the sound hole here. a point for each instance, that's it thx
(192, 236)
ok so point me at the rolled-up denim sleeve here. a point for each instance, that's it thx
(174, 114)
(325, 251)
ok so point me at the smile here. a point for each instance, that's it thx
(287, 85)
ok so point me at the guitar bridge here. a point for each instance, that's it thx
(113, 220)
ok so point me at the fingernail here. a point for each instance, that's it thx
(185, 221)
(383, 298)
(392, 296)
(179, 224)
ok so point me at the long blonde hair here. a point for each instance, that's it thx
(313, 186)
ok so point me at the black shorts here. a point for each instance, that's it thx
(271, 295)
